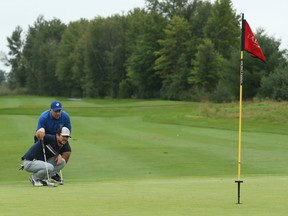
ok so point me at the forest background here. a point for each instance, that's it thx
(172, 49)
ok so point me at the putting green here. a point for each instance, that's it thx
(166, 197)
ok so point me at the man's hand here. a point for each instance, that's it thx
(58, 159)
(40, 134)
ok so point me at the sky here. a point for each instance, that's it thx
(269, 15)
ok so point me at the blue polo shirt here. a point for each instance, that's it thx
(51, 125)
(51, 149)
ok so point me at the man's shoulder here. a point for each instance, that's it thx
(65, 114)
(45, 114)
(49, 137)
(66, 148)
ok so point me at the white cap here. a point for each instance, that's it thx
(65, 131)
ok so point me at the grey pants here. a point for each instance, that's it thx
(38, 168)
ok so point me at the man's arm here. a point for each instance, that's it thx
(66, 156)
(40, 134)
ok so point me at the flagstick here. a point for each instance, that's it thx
(239, 181)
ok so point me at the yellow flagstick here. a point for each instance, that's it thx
(240, 119)
(239, 181)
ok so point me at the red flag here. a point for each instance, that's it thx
(251, 44)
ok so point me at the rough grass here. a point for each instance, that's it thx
(135, 157)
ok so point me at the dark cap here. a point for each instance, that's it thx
(56, 105)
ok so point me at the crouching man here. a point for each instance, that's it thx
(46, 158)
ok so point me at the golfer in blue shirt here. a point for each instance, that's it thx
(51, 120)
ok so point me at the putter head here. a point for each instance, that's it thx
(48, 183)
(21, 167)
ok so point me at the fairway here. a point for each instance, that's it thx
(136, 157)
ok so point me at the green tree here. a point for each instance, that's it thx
(41, 55)
(229, 82)
(70, 67)
(173, 56)
(2, 77)
(170, 8)
(4, 58)
(105, 57)
(197, 20)
(275, 85)
(207, 67)
(143, 31)
(153, 6)
(222, 27)
(115, 53)
(17, 75)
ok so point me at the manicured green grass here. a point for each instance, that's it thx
(164, 197)
(137, 157)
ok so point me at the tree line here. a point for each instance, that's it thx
(172, 49)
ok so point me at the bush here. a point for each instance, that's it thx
(222, 93)
(5, 90)
(275, 86)
(126, 89)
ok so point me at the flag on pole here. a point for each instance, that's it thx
(251, 44)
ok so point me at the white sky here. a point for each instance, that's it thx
(269, 15)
